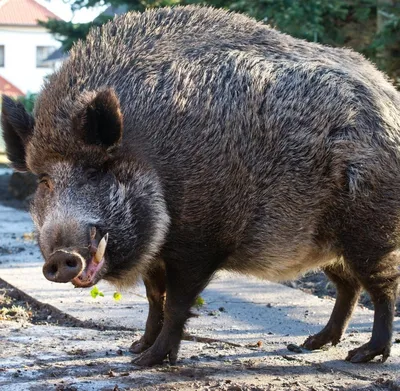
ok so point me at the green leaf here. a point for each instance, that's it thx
(117, 296)
(199, 302)
(96, 292)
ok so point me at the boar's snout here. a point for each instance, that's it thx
(63, 266)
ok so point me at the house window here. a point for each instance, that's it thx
(42, 52)
(2, 56)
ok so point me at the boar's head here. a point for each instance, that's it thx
(98, 209)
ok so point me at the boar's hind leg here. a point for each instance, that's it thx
(154, 281)
(348, 291)
(380, 279)
(184, 284)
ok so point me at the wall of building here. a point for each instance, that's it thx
(20, 56)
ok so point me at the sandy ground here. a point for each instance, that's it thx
(48, 357)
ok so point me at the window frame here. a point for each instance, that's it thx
(51, 50)
(3, 63)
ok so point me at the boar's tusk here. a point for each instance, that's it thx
(101, 249)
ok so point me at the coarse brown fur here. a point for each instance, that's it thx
(227, 145)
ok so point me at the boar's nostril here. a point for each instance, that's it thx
(72, 262)
(63, 266)
(53, 269)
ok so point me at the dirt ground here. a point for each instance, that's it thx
(19, 307)
(82, 356)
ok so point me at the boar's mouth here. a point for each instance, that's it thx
(91, 270)
(82, 267)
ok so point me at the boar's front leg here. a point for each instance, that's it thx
(185, 281)
(348, 290)
(154, 281)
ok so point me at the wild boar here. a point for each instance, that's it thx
(189, 140)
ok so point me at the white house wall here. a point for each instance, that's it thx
(20, 56)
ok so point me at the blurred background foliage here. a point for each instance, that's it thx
(28, 101)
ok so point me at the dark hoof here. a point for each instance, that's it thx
(366, 353)
(139, 346)
(154, 356)
(149, 359)
(319, 340)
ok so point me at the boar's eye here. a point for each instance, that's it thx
(92, 176)
(44, 180)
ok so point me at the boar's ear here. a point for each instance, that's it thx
(17, 127)
(101, 121)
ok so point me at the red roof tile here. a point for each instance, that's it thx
(9, 89)
(23, 12)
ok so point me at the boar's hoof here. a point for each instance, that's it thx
(367, 352)
(152, 357)
(316, 341)
(139, 346)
